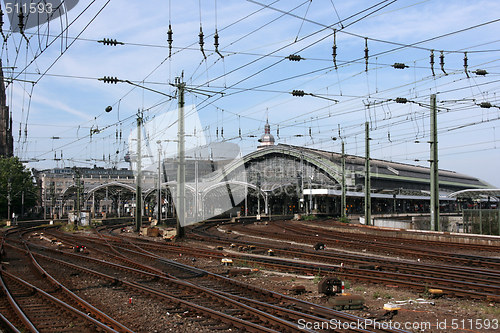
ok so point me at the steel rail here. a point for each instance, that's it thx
(59, 302)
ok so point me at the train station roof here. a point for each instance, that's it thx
(390, 176)
(477, 193)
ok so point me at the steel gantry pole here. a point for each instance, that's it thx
(434, 168)
(138, 186)
(368, 204)
(159, 204)
(181, 167)
(343, 198)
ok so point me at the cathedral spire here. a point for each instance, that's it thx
(6, 140)
(267, 139)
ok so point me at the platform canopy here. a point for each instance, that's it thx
(477, 194)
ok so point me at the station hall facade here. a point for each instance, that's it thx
(274, 179)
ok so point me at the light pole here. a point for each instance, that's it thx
(434, 170)
(159, 182)
(181, 168)
(138, 188)
(9, 187)
(343, 196)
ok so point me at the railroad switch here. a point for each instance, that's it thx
(390, 311)
(370, 267)
(346, 302)
(239, 271)
(391, 307)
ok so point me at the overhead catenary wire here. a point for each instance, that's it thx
(281, 91)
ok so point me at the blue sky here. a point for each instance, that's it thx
(254, 79)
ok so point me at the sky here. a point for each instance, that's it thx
(59, 105)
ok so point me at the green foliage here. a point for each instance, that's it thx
(309, 217)
(344, 219)
(347, 284)
(318, 277)
(15, 180)
(70, 227)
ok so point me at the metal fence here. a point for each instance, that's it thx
(481, 221)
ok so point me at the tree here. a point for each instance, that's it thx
(18, 192)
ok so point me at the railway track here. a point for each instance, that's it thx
(40, 311)
(462, 281)
(279, 304)
(173, 297)
(447, 242)
(453, 280)
(311, 235)
(211, 301)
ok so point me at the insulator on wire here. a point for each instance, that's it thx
(278, 132)
(216, 43)
(485, 105)
(432, 62)
(299, 93)
(239, 132)
(294, 57)
(217, 132)
(109, 41)
(201, 42)
(170, 39)
(366, 54)
(401, 100)
(21, 24)
(310, 132)
(441, 62)
(334, 48)
(481, 72)
(109, 79)
(466, 65)
(222, 132)
(399, 65)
